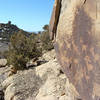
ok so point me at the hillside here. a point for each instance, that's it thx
(8, 29)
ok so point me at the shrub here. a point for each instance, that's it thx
(21, 50)
(24, 47)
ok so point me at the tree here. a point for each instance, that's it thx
(45, 38)
(46, 28)
(9, 22)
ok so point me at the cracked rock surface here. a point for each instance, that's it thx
(44, 82)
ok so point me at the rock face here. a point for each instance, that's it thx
(55, 18)
(78, 45)
(56, 86)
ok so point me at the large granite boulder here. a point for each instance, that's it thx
(77, 43)
(22, 85)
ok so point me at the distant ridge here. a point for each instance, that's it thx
(8, 29)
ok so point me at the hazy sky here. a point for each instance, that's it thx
(29, 15)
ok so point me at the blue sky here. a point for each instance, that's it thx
(30, 15)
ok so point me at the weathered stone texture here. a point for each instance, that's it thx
(78, 45)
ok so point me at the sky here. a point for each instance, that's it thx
(30, 15)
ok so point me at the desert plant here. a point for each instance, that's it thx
(21, 50)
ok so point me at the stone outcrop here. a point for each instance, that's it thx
(44, 82)
(22, 85)
(77, 44)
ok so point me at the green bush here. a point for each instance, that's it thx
(24, 47)
(21, 50)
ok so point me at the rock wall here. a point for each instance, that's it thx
(77, 45)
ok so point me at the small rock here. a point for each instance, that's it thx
(22, 85)
(3, 62)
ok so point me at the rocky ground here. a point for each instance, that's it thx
(43, 82)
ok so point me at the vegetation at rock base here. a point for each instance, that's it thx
(24, 47)
(21, 50)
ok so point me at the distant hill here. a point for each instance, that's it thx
(6, 30)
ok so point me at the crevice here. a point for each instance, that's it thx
(70, 66)
(60, 5)
(84, 2)
(1, 95)
(56, 17)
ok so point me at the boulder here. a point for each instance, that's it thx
(22, 85)
(3, 62)
(4, 72)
